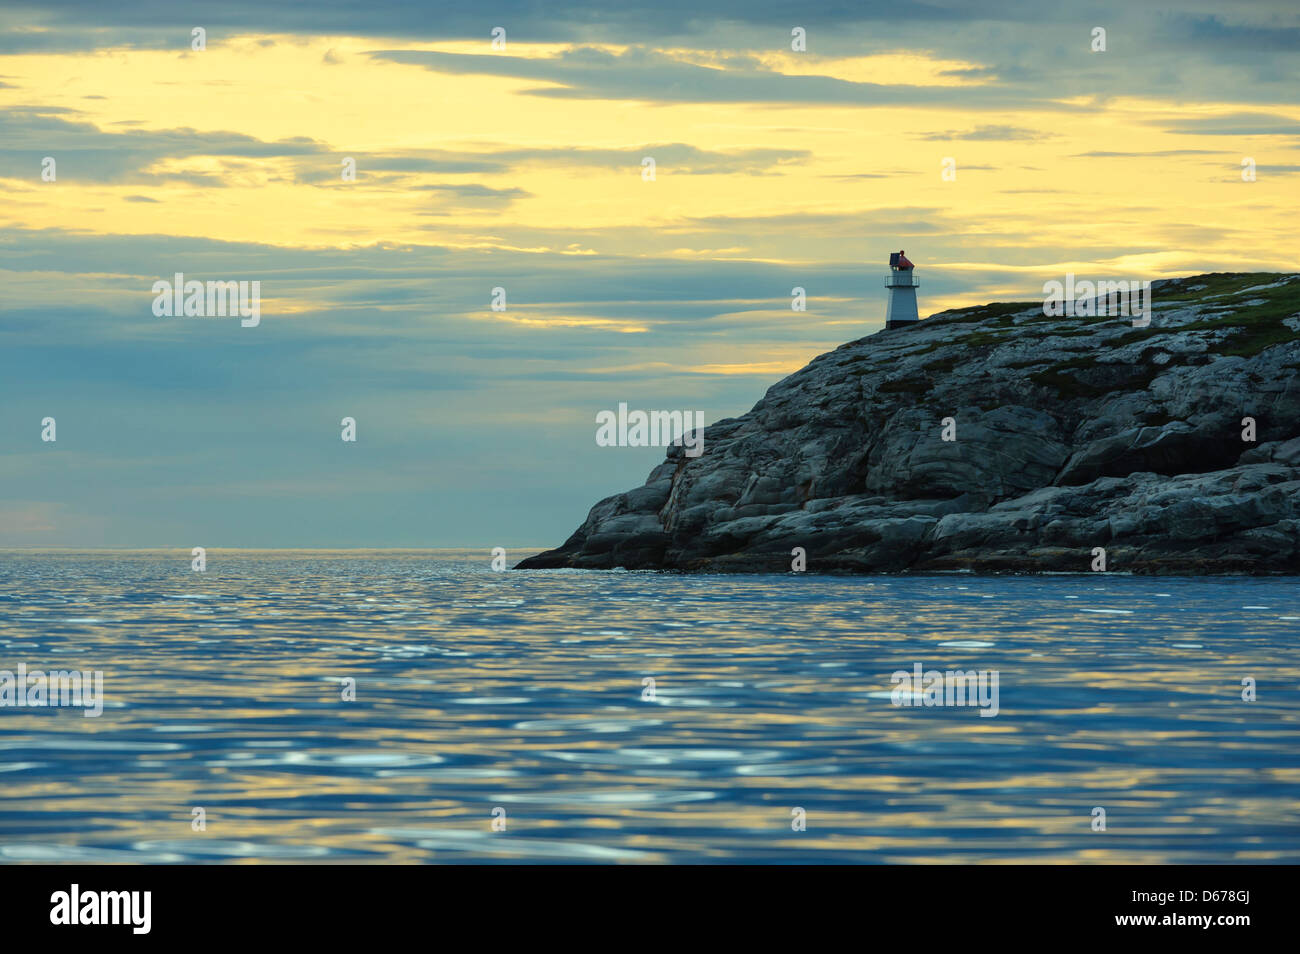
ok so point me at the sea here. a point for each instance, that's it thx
(395, 707)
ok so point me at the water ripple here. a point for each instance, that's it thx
(388, 706)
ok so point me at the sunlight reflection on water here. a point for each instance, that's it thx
(523, 690)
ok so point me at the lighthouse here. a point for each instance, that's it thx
(901, 283)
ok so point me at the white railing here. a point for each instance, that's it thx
(902, 279)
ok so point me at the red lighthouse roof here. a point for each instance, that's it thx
(899, 260)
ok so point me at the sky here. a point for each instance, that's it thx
(520, 165)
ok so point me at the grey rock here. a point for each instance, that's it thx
(1071, 434)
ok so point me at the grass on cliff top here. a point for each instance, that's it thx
(995, 309)
(1256, 327)
(1194, 288)
(1216, 285)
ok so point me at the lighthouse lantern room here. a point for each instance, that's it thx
(901, 283)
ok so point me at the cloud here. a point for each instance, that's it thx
(1155, 153)
(642, 74)
(1210, 34)
(1234, 124)
(473, 191)
(991, 134)
(87, 153)
(679, 158)
(82, 24)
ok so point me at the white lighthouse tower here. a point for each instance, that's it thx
(901, 283)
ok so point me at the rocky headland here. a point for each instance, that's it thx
(1067, 434)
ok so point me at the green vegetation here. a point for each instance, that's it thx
(1262, 325)
(1249, 329)
(996, 309)
(1217, 284)
(977, 338)
(1256, 327)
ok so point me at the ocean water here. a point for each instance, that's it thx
(521, 694)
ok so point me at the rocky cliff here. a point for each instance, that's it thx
(1066, 434)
